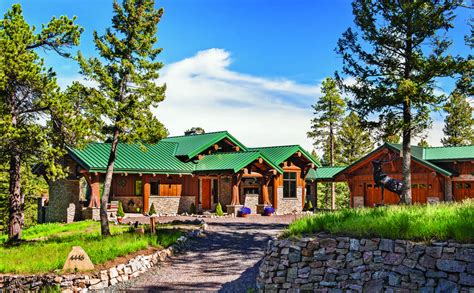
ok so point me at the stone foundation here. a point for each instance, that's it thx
(289, 205)
(165, 205)
(326, 264)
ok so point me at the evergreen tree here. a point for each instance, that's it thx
(329, 111)
(396, 66)
(29, 95)
(126, 74)
(459, 123)
(353, 139)
(423, 143)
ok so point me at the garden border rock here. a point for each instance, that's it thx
(329, 263)
(102, 279)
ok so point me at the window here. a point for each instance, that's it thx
(155, 188)
(467, 185)
(289, 185)
(138, 187)
(215, 191)
(308, 189)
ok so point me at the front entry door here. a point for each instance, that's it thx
(206, 194)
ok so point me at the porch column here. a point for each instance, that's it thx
(303, 194)
(236, 179)
(146, 193)
(265, 182)
(95, 191)
(275, 191)
(448, 189)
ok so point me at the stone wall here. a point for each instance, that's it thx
(289, 205)
(326, 263)
(251, 201)
(130, 204)
(63, 204)
(165, 205)
(225, 191)
(97, 280)
(185, 202)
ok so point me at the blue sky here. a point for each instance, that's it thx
(227, 58)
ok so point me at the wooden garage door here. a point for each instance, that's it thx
(419, 192)
(373, 195)
(463, 190)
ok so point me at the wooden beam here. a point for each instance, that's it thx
(200, 157)
(298, 153)
(146, 193)
(216, 146)
(236, 180)
(236, 148)
(260, 160)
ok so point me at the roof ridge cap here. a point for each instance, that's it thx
(276, 146)
(447, 147)
(212, 132)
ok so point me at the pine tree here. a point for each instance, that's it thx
(459, 122)
(126, 74)
(395, 69)
(423, 143)
(329, 111)
(353, 139)
(29, 95)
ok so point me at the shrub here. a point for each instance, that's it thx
(192, 209)
(308, 206)
(120, 212)
(219, 211)
(152, 210)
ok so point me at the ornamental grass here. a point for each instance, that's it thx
(441, 221)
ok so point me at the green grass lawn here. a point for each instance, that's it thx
(48, 245)
(417, 222)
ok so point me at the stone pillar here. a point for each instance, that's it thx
(146, 193)
(448, 189)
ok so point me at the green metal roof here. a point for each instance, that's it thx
(322, 173)
(152, 158)
(279, 154)
(449, 153)
(234, 161)
(417, 154)
(191, 145)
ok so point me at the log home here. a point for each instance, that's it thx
(204, 169)
(437, 174)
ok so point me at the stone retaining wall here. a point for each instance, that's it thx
(99, 280)
(326, 263)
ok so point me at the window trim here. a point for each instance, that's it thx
(290, 181)
(135, 187)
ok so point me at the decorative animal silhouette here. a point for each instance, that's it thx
(384, 181)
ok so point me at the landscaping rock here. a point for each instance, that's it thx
(450, 265)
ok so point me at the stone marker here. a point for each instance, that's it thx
(78, 261)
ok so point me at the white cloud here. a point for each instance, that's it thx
(203, 91)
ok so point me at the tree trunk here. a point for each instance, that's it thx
(406, 162)
(331, 154)
(104, 222)
(16, 199)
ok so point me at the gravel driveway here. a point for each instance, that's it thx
(225, 260)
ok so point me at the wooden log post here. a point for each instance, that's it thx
(236, 179)
(152, 225)
(95, 191)
(265, 196)
(146, 193)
